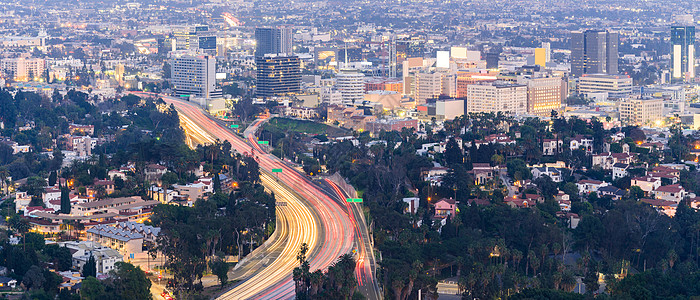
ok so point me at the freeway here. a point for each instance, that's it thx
(366, 261)
(319, 220)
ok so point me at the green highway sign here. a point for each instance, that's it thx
(276, 170)
(263, 142)
(234, 126)
(354, 200)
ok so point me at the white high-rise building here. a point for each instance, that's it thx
(351, 84)
(497, 97)
(683, 51)
(548, 51)
(194, 76)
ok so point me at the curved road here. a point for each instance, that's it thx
(329, 234)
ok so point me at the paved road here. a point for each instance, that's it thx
(363, 247)
(334, 236)
(503, 174)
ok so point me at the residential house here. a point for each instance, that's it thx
(674, 192)
(81, 129)
(501, 139)
(611, 191)
(445, 207)
(606, 160)
(434, 175)
(154, 172)
(413, 204)
(551, 146)
(22, 200)
(103, 185)
(588, 186)
(579, 141)
(554, 173)
(192, 191)
(483, 172)
(534, 198)
(114, 174)
(646, 183)
(662, 206)
(619, 170)
(150, 233)
(51, 193)
(7, 283)
(515, 202)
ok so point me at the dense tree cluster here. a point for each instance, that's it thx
(496, 250)
(338, 282)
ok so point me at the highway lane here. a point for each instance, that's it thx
(366, 262)
(303, 229)
(295, 225)
(337, 227)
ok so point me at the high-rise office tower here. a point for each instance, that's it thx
(351, 84)
(594, 52)
(273, 40)
(392, 57)
(195, 76)
(683, 51)
(278, 75)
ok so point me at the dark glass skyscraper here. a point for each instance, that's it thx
(683, 51)
(273, 41)
(278, 75)
(594, 52)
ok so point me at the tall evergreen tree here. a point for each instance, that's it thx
(53, 177)
(217, 182)
(90, 267)
(65, 200)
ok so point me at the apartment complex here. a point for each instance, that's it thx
(23, 69)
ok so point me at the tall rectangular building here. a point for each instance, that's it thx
(543, 95)
(594, 52)
(428, 86)
(506, 98)
(641, 111)
(195, 76)
(275, 40)
(278, 75)
(683, 51)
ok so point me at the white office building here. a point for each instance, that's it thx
(616, 86)
(351, 85)
(194, 76)
(497, 97)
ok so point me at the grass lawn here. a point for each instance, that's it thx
(303, 126)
